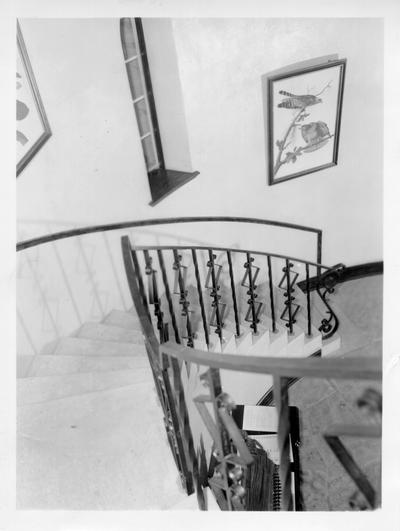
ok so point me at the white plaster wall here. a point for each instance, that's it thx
(91, 170)
(221, 62)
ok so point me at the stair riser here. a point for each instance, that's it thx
(47, 388)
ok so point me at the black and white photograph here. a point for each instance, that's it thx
(187, 336)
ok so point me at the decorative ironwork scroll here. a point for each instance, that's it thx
(249, 281)
(180, 277)
(327, 283)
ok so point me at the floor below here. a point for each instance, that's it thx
(325, 484)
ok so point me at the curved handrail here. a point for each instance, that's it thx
(226, 249)
(349, 368)
(25, 244)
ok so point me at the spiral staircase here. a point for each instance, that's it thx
(99, 411)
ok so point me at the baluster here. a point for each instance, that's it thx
(187, 432)
(148, 271)
(183, 301)
(328, 281)
(154, 298)
(223, 441)
(251, 292)
(174, 432)
(289, 296)
(200, 294)
(281, 399)
(139, 277)
(214, 293)
(271, 295)
(233, 291)
(168, 294)
(290, 308)
(309, 333)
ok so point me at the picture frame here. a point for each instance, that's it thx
(33, 129)
(304, 108)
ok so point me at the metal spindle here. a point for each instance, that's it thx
(223, 441)
(271, 294)
(309, 332)
(281, 398)
(183, 300)
(233, 291)
(186, 429)
(200, 294)
(175, 431)
(168, 294)
(289, 296)
(149, 270)
(251, 293)
(214, 293)
(140, 282)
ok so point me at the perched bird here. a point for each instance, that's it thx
(315, 135)
(298, 102)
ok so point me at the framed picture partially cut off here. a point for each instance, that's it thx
(303, 121)
(33, 129)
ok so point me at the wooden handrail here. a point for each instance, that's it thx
(25, 244)
(350, 273)
(351, 368)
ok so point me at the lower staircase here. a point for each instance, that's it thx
(90, 428)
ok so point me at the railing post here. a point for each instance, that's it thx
(251, 292)
(168, 294)
(200, 295)
(214, 293)
(183, 301)
(289, 296)
(282, 404)
(139, 277)
(233, 291)
(271, 294)
(309, 331)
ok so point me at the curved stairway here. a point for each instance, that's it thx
(90, 430)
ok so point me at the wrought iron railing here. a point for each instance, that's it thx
(227, 459)
(186, 295)
(221, 268)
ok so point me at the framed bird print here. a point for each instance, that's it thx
(33, 129)
(304, 113)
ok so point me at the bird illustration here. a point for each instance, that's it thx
(294, 101)
(315, 135)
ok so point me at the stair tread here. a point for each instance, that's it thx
(109, 332)
(93, 347)
(48, 365)
(36, 389)
(87, 452)
(122, 319)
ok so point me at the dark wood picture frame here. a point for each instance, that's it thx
(304, 126)
(39, 108)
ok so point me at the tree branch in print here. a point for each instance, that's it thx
(315, 134)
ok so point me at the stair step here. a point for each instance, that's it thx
(45, 388)
(331, 347)
(105, 450)
(244, 342)
(105, 332)
(68, 346)
(55, 365)
(123, 319)
(295, 344)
